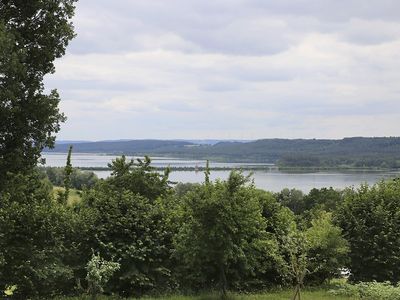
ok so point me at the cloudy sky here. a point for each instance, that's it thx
(231, 69)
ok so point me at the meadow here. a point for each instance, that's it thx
(278, 295)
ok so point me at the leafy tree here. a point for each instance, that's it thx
(130, 228)
(327, 199)
(128, 224)
(222, 233)
(36, 235)
(370, 219)
(298, 262)
(328, 248)
(280, 223)
(78, 179)
(181, 189)
(293, 199)
(32, 35)
(138, 177)
(317, 252)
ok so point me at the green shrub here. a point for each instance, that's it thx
(369, 291)
(99, 272)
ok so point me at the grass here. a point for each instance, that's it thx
(283, 295)
(74, 196)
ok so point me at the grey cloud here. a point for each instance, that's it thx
(231, 68)
(249, 27)
(119, 28)
(97, 85)
(334, 10)
(220, 86)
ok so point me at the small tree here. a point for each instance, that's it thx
(99, 272)
(319, 248)
(67, 172)
(297, 247)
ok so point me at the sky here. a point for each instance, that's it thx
(231, 69)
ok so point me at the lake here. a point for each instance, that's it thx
(269, 179)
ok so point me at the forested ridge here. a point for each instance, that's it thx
(358, 152)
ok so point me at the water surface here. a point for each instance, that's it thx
(268, 179)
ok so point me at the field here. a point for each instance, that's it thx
(73, 197)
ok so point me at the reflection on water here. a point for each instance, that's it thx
(271, 180)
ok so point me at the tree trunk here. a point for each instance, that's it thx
(224, 283)
(296, 295)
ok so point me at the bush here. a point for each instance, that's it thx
(369, 291)
(99, 272)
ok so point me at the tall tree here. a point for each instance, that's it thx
(32, 35)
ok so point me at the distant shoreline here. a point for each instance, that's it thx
(252, 168)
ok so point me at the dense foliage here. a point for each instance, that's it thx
(38, 239)
(370, 218)
(215, 235)
(78, 179)
(222, 235)
(127, 225)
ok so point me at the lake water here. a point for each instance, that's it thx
(268, 179)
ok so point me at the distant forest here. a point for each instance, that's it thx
(355, 152)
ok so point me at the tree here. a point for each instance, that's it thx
(293, 199)
(318, 251)
(128, 224)
(280, 222)
(370, 219)
(328, 248)
(67, 177)
(222, 233)
(32, 35)
(137, 177)
(327, 199)
(298, 265)
(79, 179)
(37, 239)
